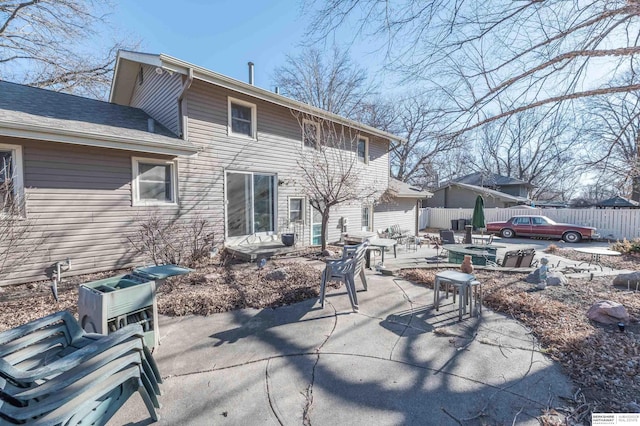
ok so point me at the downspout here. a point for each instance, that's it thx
(181, 109)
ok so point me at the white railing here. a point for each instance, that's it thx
(611, 224)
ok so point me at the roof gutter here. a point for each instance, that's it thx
(31, 131)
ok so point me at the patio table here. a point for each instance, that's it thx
(383, 244)
(596, 253)
(459, 280)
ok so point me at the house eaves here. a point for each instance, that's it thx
(39, 114)
(401, 189)
(127, 75)
(490, 192)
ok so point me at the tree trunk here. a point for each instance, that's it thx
(635, 188)
(323, 232)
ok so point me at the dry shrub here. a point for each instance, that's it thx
(426, 277)
(551, 248)
(627, 247)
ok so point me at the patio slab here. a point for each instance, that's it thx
(395, 362)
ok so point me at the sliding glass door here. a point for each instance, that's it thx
(251, 200)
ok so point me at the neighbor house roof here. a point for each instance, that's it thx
(618, 201)
(127, 68)
(488, 192)
(490, 179)
(401, 189)
(32, 113)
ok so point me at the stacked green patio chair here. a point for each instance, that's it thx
(345, 270)
(53, 373)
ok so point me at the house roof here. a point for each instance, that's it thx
(127, 68)
(618, 201)
(490, 179)
(487, 192)
(401, 189)
(32, 113)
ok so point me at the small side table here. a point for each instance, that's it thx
(463, 282)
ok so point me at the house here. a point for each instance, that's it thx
(401, 207)
(176, 140)
(462, 195)
(497, 190)
(504, 184)
(617, 202)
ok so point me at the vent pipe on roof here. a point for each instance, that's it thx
(250, 73)
(151, 125)
(277, 90)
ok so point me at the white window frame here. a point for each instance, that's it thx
(254, 115)
(18, 172)
(303, 205)
(365, 160)
(135, 187)
(369, 208)
(313, 123)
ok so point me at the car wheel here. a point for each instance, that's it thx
(507, 233)
(572, 237)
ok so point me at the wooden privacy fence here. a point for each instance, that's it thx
(611, 224)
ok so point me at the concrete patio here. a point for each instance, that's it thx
(397, 361)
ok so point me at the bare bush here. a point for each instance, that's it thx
(184, 241)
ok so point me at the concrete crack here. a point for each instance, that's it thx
(271, 404)
(407, 325)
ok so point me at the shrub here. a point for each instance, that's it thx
(552, 248)
(183, 241)
(625, 246)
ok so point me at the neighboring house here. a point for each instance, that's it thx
(401, 207)
(176, 140)
(617, 202)
(504, 184)
(462, 195)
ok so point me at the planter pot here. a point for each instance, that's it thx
(288, 239)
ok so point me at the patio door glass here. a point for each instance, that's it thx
(250, 203)
(316, 227)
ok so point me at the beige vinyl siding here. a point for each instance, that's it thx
(79, 199)
(158, 97)
(398, 211)
(279, 141)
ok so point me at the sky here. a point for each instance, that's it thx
(223, 35)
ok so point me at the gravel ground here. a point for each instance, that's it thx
(603, 362)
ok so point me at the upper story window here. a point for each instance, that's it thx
(242, 118)
(11, 179)
(154, 181)
(363, 149)
(310, 133)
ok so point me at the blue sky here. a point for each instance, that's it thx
(223, 35)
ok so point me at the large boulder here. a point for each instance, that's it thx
(629, 281)
(608, 312)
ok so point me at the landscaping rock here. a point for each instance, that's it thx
(608, 312)
(279, 274)
(628, 281)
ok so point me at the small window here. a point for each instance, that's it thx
(154, 181)
(242, 118)
(11, 186)
(296, 210)
(366, 218)
(310, 133)
(363, 149)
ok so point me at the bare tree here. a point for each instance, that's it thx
(19, 239)
(501, 57)
(420, 123)
(614, 129)
(537, 149)
(333, 83)
(331, 173)
(43, 43)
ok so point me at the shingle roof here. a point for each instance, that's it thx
(617, 201)
(23, 106)
(490, 179)
(489, 192)
(404, 190)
